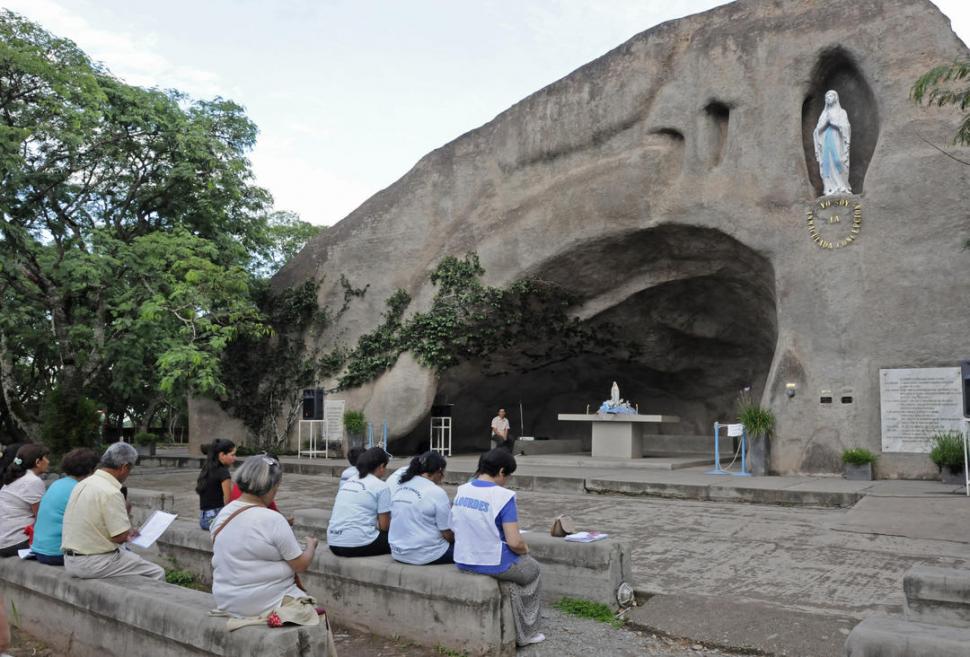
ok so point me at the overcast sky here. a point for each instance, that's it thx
(349, 94)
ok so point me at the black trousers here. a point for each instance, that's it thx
(379, 546)
(11, 551)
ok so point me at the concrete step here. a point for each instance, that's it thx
(885, 636)
(938, 595)
(690, 443)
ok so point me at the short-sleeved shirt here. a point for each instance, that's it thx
(394, 479)
(353, 520)
(500, 424)
(95, 512)
(250, 575)
(509, 513)
(419, 513)
(16, 499)
(50, 517)
(211, 496)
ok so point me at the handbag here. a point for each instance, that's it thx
(562, 526)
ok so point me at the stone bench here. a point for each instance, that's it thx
(936, 621)
(591, 571)
(938, 595)
(887, 636)
(123, 616)
(429, 605)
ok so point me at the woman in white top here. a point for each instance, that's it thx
(20, 497)
(361, 512)
(255, 555)
(420, 533)
(485, 520)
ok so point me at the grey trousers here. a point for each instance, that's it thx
(525, 589)
(113, 564)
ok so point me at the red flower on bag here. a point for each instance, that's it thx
(274, 620)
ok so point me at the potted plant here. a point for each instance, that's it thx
(857, 464)
(947, 454)
(758, 424)
(355, 424)
(145, 443)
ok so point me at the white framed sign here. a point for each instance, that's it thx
(915, 403)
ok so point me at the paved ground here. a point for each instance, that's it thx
(827, 568)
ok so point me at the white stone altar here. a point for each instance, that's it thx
(618, 436)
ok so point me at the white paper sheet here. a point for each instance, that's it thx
(735, 430)
(153, 528)
(23, 554)
(586, 537)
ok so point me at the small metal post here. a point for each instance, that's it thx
(744, 460)
(966, 458)
(370, 435)
(717, 453)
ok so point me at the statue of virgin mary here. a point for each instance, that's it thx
(832, 136)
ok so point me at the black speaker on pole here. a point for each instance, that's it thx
(313, 404)
(965, 372)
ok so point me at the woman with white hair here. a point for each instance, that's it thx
(256, 556)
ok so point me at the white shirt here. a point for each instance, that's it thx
(394, 480)
(353, 520)
(350, 471)
(419, 512)
(500, 425)
(473, 514)
(250, 575)
(15, 512)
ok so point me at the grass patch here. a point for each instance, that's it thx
(448, 652)
(596, 611)
(184, 578)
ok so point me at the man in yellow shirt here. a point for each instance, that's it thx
(96, 524)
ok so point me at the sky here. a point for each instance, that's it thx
(350, 94)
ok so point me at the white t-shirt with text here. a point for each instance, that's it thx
(419, 512)
(353, 520)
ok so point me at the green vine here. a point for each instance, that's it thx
(470, 321)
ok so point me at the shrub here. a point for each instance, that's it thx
(947, 450)
(145, 438)
(355, 423)
(69, 421)
(757, 421)
(858, 456)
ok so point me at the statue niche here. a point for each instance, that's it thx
(854, 105)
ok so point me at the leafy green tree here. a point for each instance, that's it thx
(945, 85)
(131, 232)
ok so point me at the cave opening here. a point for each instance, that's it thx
(692, 309)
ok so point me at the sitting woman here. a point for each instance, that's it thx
(77, 464)
(485, 521)
(215, 483)
(420, 508)
(20, 497)
(361, 512)
(256, 556)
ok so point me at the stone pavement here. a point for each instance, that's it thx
(717, 566)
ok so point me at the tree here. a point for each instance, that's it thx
(948, 85)
(130, 233)
(286, 234)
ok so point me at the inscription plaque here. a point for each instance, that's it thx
(916, 403)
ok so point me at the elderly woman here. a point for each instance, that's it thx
(361, 512)
(255, 554)
(485, 521)
(420, 533)
(78, 464)
(20, 497)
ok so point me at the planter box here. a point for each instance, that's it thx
(857, 472)
(145, 450)
(759, 456)
(953, 476)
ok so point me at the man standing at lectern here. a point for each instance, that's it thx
(500, 431)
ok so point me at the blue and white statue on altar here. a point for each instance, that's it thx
(616, 406)
(832, 136)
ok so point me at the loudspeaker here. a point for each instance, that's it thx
(965, 372)
(313, 404)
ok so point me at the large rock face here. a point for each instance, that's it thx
(667, 184)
